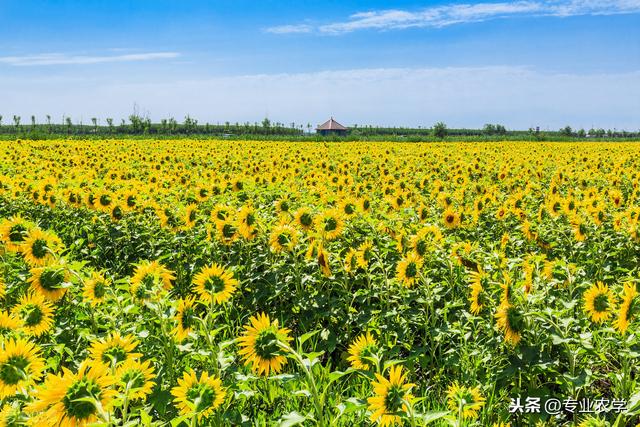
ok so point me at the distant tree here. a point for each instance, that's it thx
(110, 124)
(33, 123)
(69, 124)
(94, 120)
(582, 133)
(173, 125)
(501, 130)
(266, 124)
(163, 126)
(190, 124)
(440, 130)
(136, 123)
(489, 129)
(566, 131)
(16, 121)
(0, 121)
(309, 127)
(49, 129)
(146, 125)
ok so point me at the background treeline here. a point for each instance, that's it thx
(139, 126)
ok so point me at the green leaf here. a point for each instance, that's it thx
(431, 416)
(292, 419)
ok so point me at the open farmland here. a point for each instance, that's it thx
(222, 282)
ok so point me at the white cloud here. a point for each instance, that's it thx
(446, 15)
(462, 97)
(65, 59)
(290, 29)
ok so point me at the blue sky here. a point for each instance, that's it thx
(523, 63)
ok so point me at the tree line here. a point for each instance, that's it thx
(140, 125)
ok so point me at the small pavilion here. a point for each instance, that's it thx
(331, 127)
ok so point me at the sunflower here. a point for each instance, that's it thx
(21, 364)
(579, 229)
(502, 212)
(304, 218)
(391, 399)
(348, 207)
(323, 261)
(450, 218)
(13, 232)
(8, 324)
(149, 278)
(478, 280)
(247, 221)
(214, 284)
(130, 200)
(95, 289)
(330, 224)
(104, 201)
(283, 238)
(627, 308)
(135, 378)
(364, 254)
(186, 318)
(424, 239)
(35, 314)
(72, 400)
(227, 230)
(283, 205)
(350, 260)
(599, 302)
(40, 247)
(593, 422)
(52, 280)
(408, 269)
(114, 349)
(190, 215)
(465, 401)
(364, 346)
(199, 397)
(220, 213)
(511, 322)
(12, 416)
(259, 345)
(116, 212)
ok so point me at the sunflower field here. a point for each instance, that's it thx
(223, 283)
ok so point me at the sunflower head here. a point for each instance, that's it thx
(34, 313)
(599, 302)
(186, 318)
(391, 399)
(50, 280)
(214, 284)
(73, 398)
(95, 289)
(21, 364)
(198, 396)
(365, 346)
(511, 322)
(13, 232)
(261, 344)
(408, 269)
(135, 378)
(465, 401)
(114, 349)
(40, 247)
(629, 308)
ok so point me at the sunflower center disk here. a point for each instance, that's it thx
(74, 402)
(14, 370)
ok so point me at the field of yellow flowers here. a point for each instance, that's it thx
(211, 283)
